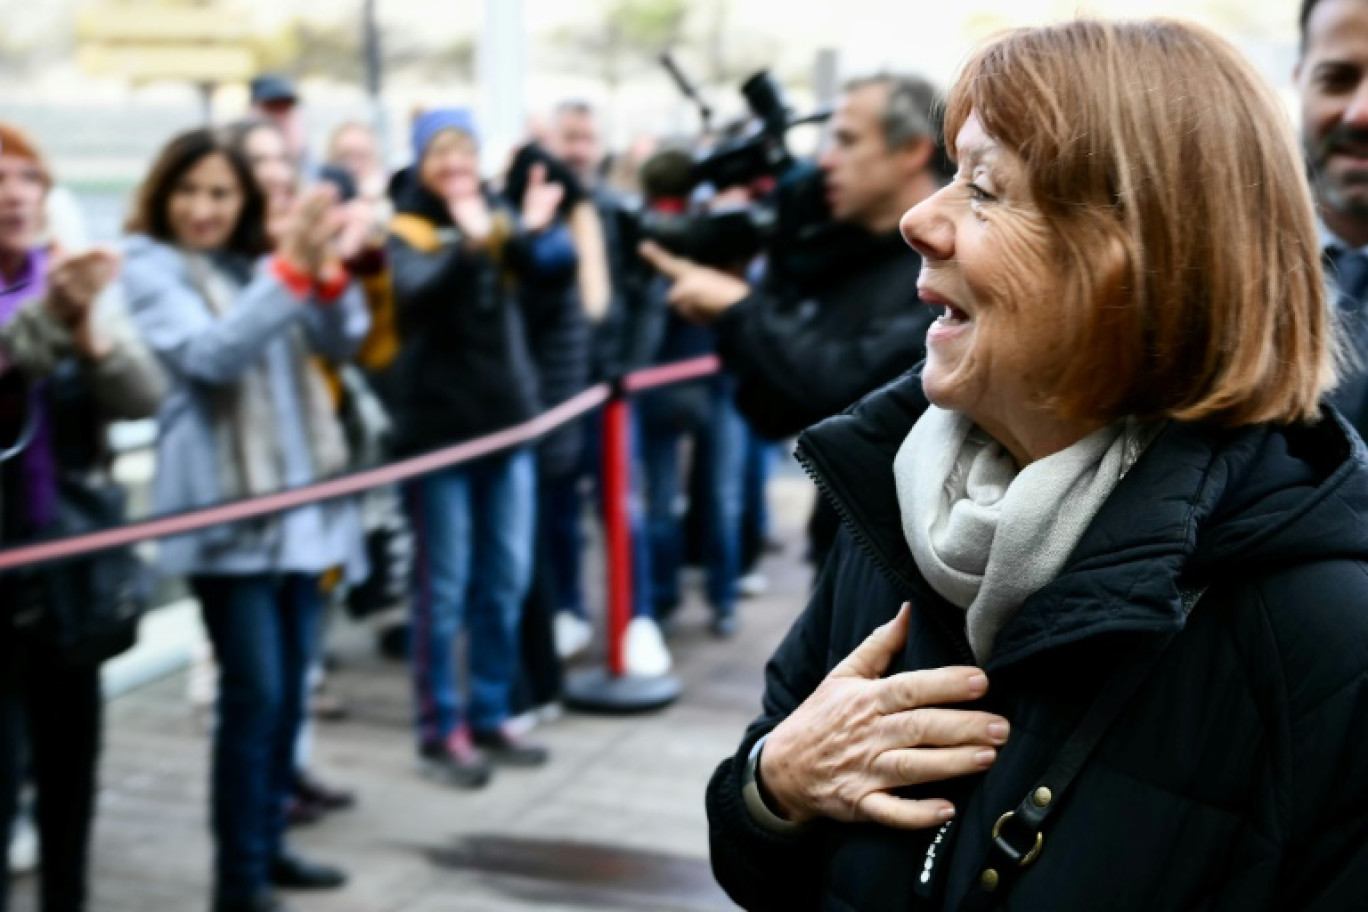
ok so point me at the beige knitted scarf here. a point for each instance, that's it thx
(986, 535)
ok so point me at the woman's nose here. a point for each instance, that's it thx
(927, 230)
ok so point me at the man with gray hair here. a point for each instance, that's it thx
(842, 318)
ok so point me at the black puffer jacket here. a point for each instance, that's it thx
(464, 367)
(560, 339)
(802, 352)
(1236, 779)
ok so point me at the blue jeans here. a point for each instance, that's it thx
(720, 444)
(565, 529)
(263, 630)
(755, 524)
(474, 530)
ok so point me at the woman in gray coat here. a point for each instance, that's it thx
(248, 413)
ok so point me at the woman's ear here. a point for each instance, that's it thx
(1115, 272)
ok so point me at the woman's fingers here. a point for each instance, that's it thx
(931, 687)
(871, 658)
(903, 813)
(915, 766)
(536, 175)
(943, 728)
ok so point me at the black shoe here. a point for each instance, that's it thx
(724, 626)
(393, 642)
(299, 813)
(504, 748)
(291, 872)
(313, 791)
(455, 762)
(262, 902)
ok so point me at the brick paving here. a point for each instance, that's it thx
(614, 822)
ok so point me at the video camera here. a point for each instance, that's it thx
(751, 153)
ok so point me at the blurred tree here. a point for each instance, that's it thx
(731, 56)
(335, 50)
(623, 38)
(454, 59)
(33, 35)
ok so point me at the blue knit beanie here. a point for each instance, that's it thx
(427, 125)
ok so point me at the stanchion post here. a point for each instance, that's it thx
(617, 530)
(611, 689)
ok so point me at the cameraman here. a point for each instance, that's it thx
(843, 318)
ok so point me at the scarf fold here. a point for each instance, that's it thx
(987, 536)
(246, 425)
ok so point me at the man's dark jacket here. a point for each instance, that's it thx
(808, 350)
(1236, 779)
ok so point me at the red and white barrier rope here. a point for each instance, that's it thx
(347, 485)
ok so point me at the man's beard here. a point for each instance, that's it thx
(1344, 193)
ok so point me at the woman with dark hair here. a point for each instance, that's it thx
(264, 146)
(67, 367)
(248, 413)
(1130, 669)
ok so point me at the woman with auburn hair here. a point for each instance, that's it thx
(69, 365)
(1130, 669)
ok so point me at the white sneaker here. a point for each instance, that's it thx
(644, 651)
(523, 724)
(572, 634)
(752, 585)
(23, 845)
(201, 684)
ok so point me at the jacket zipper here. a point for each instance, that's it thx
(926, 880)
(956, 635)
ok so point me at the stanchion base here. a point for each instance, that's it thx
(596, 691)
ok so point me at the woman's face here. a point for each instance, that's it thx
(355, 149)
(22, 190)
(988, 268)
(271, 166)
(206, 204)
(451, 165)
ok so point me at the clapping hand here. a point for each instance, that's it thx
(74, 283)
(541, 200)
(468, 209)
(312, 230)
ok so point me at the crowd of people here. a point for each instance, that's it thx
(287, 316)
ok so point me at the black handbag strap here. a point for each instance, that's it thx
(1018, 837)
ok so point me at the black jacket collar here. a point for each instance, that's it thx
(410, 197)
(1202, 506)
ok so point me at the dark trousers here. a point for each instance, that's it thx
(563, 504)
(542, 672)
(755, 509)
(50, 716)
(263, 630)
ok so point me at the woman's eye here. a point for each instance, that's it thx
(979, 195)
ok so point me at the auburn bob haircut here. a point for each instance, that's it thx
(1175, 192)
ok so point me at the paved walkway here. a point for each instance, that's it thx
(614, 822)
